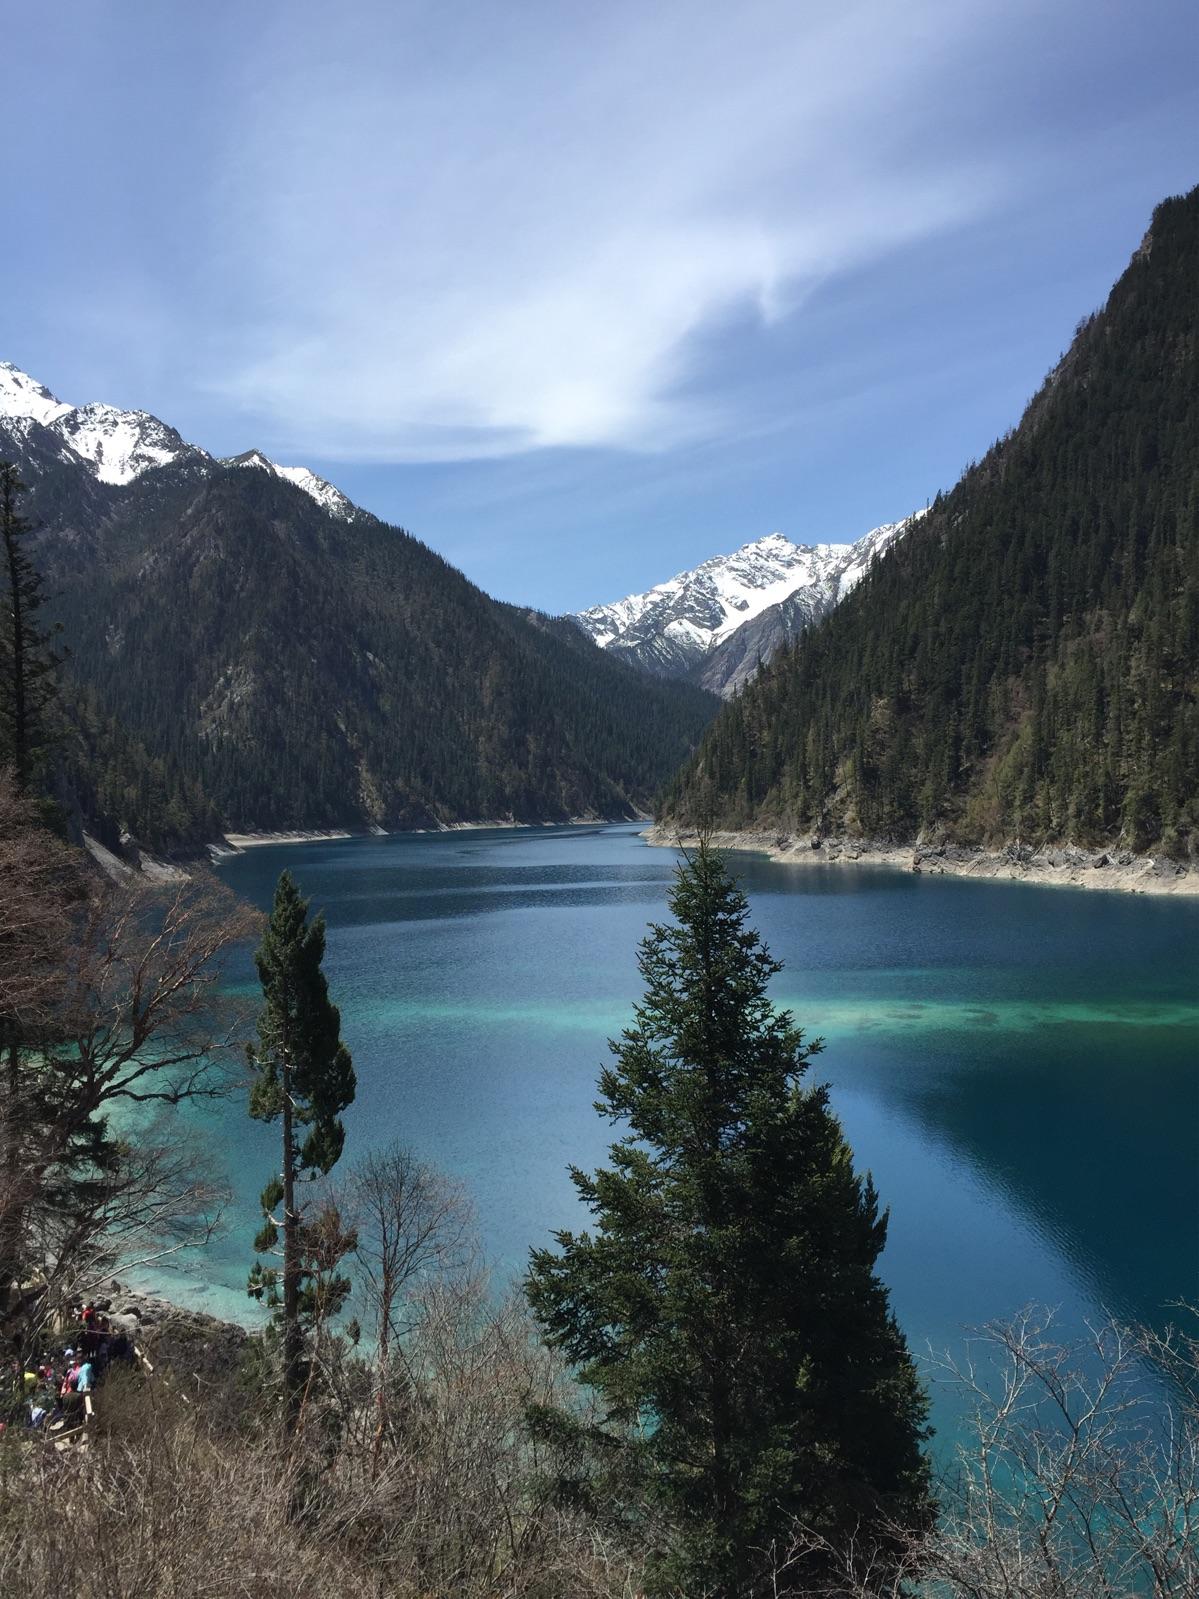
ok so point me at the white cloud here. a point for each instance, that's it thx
(454, 234)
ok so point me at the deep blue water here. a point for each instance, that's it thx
(1018, 1066)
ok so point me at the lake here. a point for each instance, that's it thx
(1017, 1066)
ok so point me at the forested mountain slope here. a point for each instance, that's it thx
(296, 668)
(105, 782)
(1024, 664)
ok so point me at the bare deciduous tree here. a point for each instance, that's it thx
(1083, 1480)
(108, 1007)
(41, 881)
(1080, 1479)
(140, 1013)
(157, 1198)
(412, 1223)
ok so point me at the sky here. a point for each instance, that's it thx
(583, 294)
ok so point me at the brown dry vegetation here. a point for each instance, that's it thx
(175, 1497)
(107, 1010)
(1082, 1482)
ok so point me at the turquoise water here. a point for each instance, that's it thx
(1018, 1066)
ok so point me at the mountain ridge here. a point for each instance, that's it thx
(117, 446)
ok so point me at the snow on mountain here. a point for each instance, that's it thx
(674, 625)
(867, 547)
(325, 495)
(677, 627)
(120, 445)
(728, 667)
(117, 446)
(23, 397)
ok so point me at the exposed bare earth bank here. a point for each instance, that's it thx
(1065, 864)
(234, 843)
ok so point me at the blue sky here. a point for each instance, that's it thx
(581, 294)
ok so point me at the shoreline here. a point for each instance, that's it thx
(232, 844)
(1065, 867)
(235, 843)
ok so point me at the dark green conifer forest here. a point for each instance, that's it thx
(1024, 664)
(111, 784)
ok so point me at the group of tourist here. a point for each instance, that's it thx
(50, 1391)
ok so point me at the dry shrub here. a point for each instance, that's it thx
(1080, 1479)
(155, 1507)
(461, 1500)
(173, 1499)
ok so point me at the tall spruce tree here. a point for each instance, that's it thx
(27, 663)
(726, 1308)
(305, 1080)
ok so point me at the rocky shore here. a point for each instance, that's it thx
(1065, 865)
(195, 1347)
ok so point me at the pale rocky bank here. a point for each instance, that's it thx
(1066, 864)
(195, 1347)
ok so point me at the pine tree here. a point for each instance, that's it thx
(27, 663)
(726, 1308)
(305, 1080)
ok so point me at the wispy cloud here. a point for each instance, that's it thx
(455, 232)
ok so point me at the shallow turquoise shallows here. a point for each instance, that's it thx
(1018, 1067)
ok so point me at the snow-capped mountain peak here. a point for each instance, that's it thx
(121, 445)
(867, 547)
(24, 398)
(677, 626)
(326, 496)
(674, 624)
(117, 446)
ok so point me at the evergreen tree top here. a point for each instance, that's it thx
(299, 1025)
(707, 1047)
